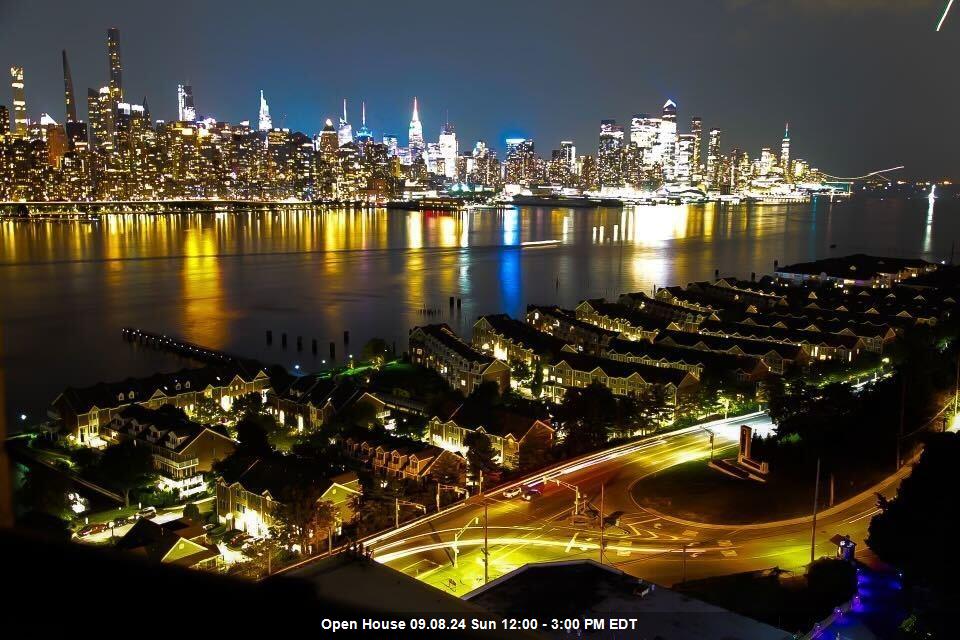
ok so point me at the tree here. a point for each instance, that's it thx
(208, 411)
(910, 533)
(307, 520)
(831, 582)
(651, 409)
(191, 511)
(249, 404)
(589, 415)
(535, 450)
(44, 493)
(126, 467)
(375, 350)
(480, 452)
(253, 432)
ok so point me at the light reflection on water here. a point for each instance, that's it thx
(66, 289)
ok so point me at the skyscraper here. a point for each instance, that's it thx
(20, 121)
(392, 145)
(645, 136)
(185, 107)
(683, 172)
(264, 122)
(328, 139)
(116, 69)
(449, 150)
(415, 134)
(667, 141)
(713, 160)
(70, 102)
(344, 131)
(364, 135)
(610, 154)
(696, 160)
(785, 154)
(4, 121)
(568, 152)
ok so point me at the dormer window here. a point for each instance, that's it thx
(130, 396)
(187, 384)
(120, 396)
(178, 386)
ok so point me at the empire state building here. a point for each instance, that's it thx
(415, 134)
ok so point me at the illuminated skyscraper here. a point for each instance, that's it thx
(364, 135)
(667, 141)
(683, 172)
(20, 121)
(714, 164)
(610, 154)
(696, 160)
(116, 69)
(785, 155)
(328, 138)
(645, 136)
(344, 131)
(264, 122)
(392, 145)
(4, 122)
(449, 150)
(568, 152)
(415, 134)
(70, 102)
(520, 161)
(185, 108)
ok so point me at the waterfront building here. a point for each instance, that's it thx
(520, 161)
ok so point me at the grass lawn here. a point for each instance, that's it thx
(694, 491)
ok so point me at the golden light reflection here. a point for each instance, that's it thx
(204, 304)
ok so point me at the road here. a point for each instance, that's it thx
(649, 545)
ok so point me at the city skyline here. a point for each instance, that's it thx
(295, 75)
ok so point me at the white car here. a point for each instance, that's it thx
(512, 492)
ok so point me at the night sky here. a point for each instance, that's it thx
(865, 84)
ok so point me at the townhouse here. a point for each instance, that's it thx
(182, 450)
(622, 378)
(464, 368)
(80, 412)
(508, 431)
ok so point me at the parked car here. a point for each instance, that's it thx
(237, 542)
(92, 529)
(529, 493)
(147, 512)
(210, 526)
(513, 492)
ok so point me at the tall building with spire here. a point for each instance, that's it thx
(344, 131)
(785, 154)
(364, 135)
(116, 68)
(186, 112)
(20, 121)
(264, 122)
(69, 100)
(415, 134)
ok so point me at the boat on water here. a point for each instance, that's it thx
(576, 202)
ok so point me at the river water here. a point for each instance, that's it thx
(222, 280)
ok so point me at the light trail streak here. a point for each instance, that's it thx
(944, 16)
